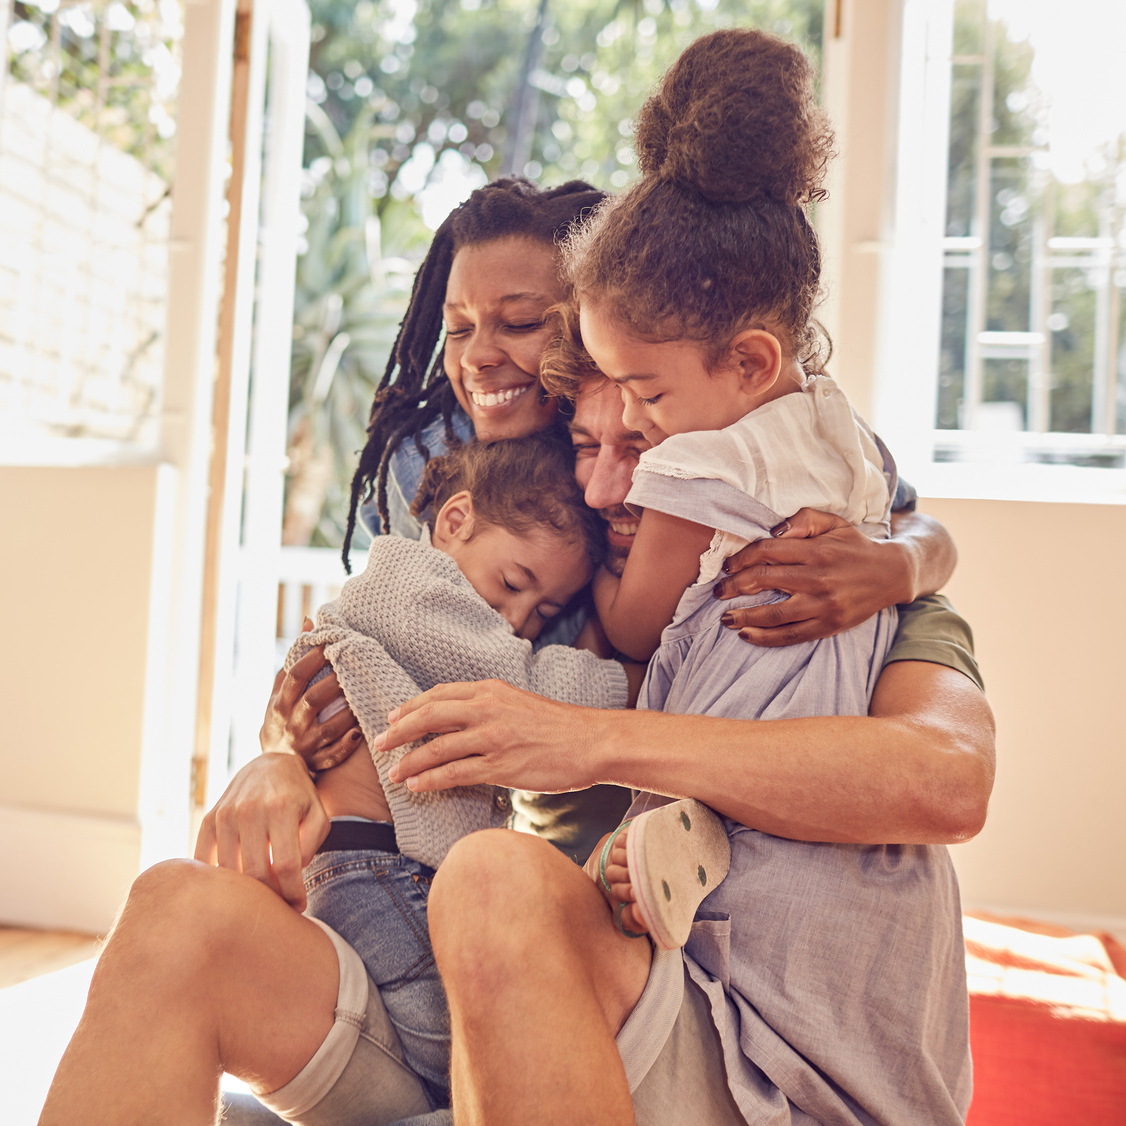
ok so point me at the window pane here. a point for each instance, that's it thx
(965, 96)
(952, 373)
(86, 155)
(1072, 325)
(1010, 246)
(1036, 264)
(969, 27)
(1004, 395)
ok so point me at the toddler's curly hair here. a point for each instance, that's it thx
(518, 484)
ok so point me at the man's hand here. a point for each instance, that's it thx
(268, 824)
(291, 725)
(835, 575)
(488, 731)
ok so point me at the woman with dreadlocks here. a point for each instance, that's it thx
(489, 278)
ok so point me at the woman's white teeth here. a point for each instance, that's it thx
(495, 398)
(624, 529)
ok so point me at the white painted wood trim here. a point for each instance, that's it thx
(65, 871)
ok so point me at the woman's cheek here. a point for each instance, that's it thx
(528, 355)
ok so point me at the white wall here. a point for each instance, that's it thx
(84, 570)
(1040, 584)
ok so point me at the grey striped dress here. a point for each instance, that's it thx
(835, 973)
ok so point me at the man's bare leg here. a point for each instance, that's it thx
(539, 982)
(205, 971)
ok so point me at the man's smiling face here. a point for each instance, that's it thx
(605, 454)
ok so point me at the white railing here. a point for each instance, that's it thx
(308, 577)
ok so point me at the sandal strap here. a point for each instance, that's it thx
(622, 927)
(605, 855)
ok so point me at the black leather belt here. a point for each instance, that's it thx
(356, 836)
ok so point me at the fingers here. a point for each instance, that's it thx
(266, 825)
(787, 560)
(455, 690)
(779, 636)
(320, 695)
(439, 765)
(299, 675)
(776, 624)
(205, 843)
(314, 829)
(337, 751)
(444, 708)
(768, 572)
(287, 863)
(807, 522)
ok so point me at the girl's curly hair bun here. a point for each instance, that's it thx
(736, 119)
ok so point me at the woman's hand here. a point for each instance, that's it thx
(835, 575)
(268, 824)
(291, 726)
(488, 731)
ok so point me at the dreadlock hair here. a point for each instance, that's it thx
(414, 390)
(518, 484)
(714, 237)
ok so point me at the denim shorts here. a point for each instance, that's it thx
(376, 901)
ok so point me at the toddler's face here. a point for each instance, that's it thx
(527, 579)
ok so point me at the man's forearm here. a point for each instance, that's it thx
(918, 770)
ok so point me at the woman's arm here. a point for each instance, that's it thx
(663, 562)
(835, 575)
(919, 769)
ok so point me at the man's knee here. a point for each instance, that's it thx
(488, 874)
(176, 914)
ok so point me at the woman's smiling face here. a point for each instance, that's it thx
(496, 298)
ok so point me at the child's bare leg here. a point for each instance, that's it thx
(659, 867)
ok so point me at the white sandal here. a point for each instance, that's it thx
(677, 854)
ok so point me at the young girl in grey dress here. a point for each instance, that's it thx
(835, 971)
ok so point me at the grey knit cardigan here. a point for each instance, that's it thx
(410, 621)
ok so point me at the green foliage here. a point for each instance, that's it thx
(114, 67)
(403, 92)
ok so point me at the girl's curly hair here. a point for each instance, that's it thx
(714, 237)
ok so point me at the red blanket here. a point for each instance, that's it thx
(1047, 1024)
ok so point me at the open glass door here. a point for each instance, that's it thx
(247, 475)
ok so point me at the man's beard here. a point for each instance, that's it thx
(617, 553)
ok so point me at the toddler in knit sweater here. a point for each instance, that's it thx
(509, 542)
